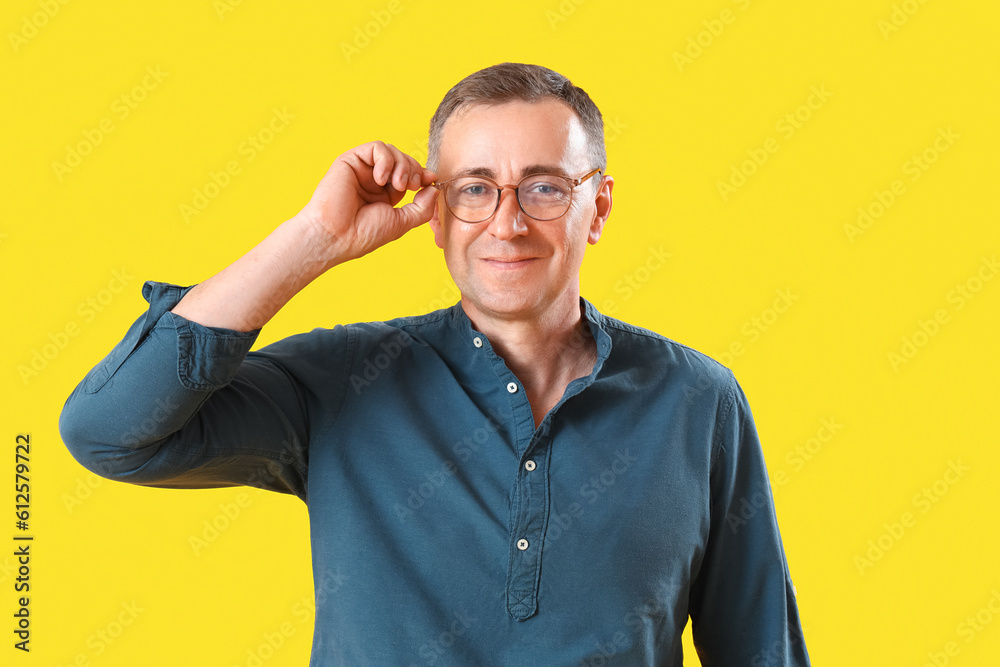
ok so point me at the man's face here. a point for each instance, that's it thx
(512, 266)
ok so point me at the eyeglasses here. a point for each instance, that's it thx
(540, 196)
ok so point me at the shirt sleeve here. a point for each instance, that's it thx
(742, 605)
(177, 404)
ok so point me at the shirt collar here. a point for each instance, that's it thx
(596, 321)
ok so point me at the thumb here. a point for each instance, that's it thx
(420, 210)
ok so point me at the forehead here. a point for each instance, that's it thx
(508, 138)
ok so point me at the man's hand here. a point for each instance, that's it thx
(351, 213)
(354, 204)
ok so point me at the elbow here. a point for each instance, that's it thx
(95, 446)
(85, 445)
(75, 433)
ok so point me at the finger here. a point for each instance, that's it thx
(407, 174)
(394, 169)
(420, 210)
(383, 163)
(403, 170)
(416, 178)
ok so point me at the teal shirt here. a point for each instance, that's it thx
(446, 528)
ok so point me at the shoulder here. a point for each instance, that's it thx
(408, 330)
(655, 361)
(365, 334)
(342, 354)
(666, 357)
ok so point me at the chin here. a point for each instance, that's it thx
(507, 302)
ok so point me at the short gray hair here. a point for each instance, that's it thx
(508, 82)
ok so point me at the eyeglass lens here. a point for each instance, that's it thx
(474, 199)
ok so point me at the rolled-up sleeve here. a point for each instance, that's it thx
(743, 607)
(178, 404)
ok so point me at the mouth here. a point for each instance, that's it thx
(508, 263)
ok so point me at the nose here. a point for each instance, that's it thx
(509, 220)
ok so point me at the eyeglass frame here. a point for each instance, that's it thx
(573, 184)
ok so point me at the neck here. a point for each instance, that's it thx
(546, 351)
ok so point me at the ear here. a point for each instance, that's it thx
(436, 227)
(603, 205)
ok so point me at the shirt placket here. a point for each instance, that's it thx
(529, 518)
(529, 503)
(529, 506)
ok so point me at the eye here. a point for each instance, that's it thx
(475, 189)
(546, 187)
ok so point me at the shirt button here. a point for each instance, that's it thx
(529, 465)
(512, 387)
(522, 544)
(477, 341)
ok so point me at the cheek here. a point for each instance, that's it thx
(457, 238)
(574, 236)
(583, 212)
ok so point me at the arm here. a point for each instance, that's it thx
(350, 214)
(181, 401)
(743, 609)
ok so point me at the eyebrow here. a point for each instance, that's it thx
(527, 171)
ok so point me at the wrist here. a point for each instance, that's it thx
(319, 247)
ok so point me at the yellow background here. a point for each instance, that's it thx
(675, 131)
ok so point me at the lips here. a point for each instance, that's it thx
(508, 263)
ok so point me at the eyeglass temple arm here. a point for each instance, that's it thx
(580, 180)
(575, 182)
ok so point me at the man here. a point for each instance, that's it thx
(536, 482)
